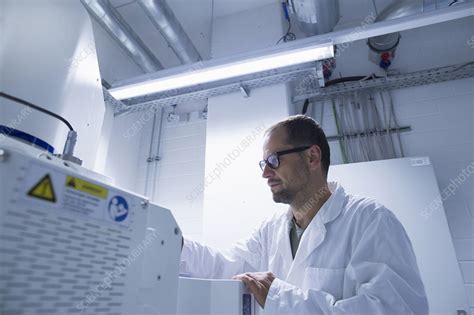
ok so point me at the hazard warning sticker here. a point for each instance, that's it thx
(43, 189)
(54, 189)
(86, 187)
(84, 197)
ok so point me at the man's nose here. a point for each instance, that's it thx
(267, 171)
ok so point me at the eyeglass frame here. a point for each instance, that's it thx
(265, 162)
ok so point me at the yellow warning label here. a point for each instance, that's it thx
(87, 187)
(43, 189)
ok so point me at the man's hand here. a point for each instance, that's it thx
(258, 283)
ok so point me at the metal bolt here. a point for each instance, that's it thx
(162, 242)
(149, 159)
(144, 204)
(158, 278)
(3, 155)
(157, 158)
(176, 230)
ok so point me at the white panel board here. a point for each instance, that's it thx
(235, 193)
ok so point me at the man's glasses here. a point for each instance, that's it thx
(273, 160)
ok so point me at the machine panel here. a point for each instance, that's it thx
(71, 244)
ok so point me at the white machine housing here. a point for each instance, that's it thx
(216, 297)
(71, 243)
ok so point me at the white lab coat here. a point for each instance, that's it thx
(354, 258)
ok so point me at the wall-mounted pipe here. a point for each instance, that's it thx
(109, 18)
(170, 28)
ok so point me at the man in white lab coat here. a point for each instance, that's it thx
(330, 253)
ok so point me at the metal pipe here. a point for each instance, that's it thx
(168, 25)
(315, 17)
(157, 154)
(150, 159)
(109, 18)
(367, 133)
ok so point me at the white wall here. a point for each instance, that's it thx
(105, 138)
(179, 172)
(170, 181)
(123, 150)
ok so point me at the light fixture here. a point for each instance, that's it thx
(286, 55)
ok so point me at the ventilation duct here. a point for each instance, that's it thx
(120, 31)
(315, 17)
(165, 21)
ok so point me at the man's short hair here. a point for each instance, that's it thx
(303, 130)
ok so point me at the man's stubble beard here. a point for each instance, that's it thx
(283, 196)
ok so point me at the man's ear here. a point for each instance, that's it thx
(314, 157)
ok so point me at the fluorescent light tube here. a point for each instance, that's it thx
(245, 66)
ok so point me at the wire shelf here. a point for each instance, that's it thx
(312, 91)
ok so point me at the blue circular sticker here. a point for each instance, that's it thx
(118, 208)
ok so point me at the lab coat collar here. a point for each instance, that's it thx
(330, 209)
(315, 233)
(333, 206)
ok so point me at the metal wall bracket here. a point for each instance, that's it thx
(245, 92)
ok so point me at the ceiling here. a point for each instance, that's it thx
(221, 7)
(349, 8)
(196, 17)
(228, 7)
